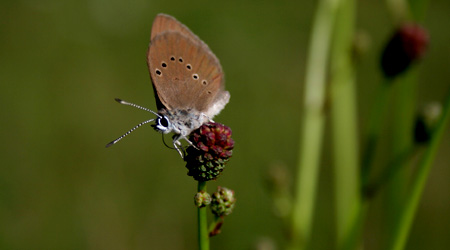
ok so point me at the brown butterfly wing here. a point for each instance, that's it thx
(184, 71)
(163, 23)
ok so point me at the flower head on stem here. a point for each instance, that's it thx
(214, 147)
(407, 45)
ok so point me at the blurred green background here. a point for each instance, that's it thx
(63, 62)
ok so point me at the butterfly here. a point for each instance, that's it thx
(187, 78)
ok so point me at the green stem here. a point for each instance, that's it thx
(377, 113)
(390, 170)
(399, 10)
(369, 191)
(404, 222)
(203, 235)
(344, 127)
(215, 225)
(372, 135)
(402, 127)
(311, 132)
(418, 9)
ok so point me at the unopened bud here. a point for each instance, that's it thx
(223, 201)
(202, 199)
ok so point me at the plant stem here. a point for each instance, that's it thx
(344, 127)
(418, 9)
(404, 222)
(215, 225)
(404, 109)
(203, 235)
(390, 170)
(400, 11)
(377, 113)
(311, 132)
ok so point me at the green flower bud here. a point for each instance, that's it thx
(223, 201)
(202, 199)
(425, 122)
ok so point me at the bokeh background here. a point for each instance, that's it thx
(62, 63)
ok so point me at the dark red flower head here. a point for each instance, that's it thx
(408, 44)
(214, 148)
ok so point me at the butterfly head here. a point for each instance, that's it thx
(163, 125)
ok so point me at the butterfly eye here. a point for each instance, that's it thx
(163, 121)
(195, 76)
(180, 59)
(163, 64)
(163, 125)
(189, 67)
(204, 82)
(158, 72)
(172, 58)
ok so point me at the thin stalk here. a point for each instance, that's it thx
(418, 9)
(215, 225)
(344, 127)
(399, 10)
(311, 131)
(404, 108)
(372, 134)
(390, 170)
(377, 113)
(403, 10)
(203, 234)
(405, 220)
(370, 190)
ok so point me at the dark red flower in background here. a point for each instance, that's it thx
(407, 45)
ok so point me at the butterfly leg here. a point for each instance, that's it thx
(177, 145)
(190, 143)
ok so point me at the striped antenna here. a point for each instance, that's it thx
(136, 106)
(127, 133)
(137, 126)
